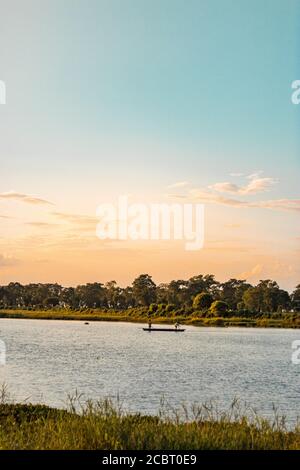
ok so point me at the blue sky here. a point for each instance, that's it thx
(105, 97)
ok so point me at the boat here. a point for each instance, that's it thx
(176, 330)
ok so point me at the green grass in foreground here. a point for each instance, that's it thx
(140, 316)
(103, 426)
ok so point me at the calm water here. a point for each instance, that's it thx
(47, 360)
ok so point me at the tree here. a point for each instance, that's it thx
(176, 293)
(129, 300)
(114, 296)
(266, 297)
(202, 301)
(69, 297)
(196, 293)
(144, 290)
(51, 302)
(232, 292)
(202, 283)
(219, 308)
(90, 295)
(295, 297)
(252, 299)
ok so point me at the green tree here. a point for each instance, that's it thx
(295, 298)
(252, 299)
(177, 293)
(266, 297)
(202, 301)
(144, 290)
(69, 297)
(200, 283)
(91, 295)
(114, 295)
(232, 292)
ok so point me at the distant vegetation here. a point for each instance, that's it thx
(104, 426)
(201, 297)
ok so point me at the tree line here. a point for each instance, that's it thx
(201, 292)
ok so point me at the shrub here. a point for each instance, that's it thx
(103, 426)
(170, 308)
(161, 307)
(219, 308)
(200, 313)
(153, 308)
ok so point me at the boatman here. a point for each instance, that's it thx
(177, 325)
(149, 323)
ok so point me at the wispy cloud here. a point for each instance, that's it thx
(255, 185)
(278, 204)
(76, 218)
(270, 268)
(178, 184)
(253, 272)
(78, 222)
(40, 224)
(206, 196)
(27, 198)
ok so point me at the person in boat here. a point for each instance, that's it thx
(177, 325)
(149, 324)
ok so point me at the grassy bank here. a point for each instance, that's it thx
(141, 316)
(103, 426)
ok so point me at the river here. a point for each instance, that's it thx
(47, 359)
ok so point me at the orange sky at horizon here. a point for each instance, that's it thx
(43, 243)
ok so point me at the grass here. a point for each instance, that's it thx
(104, 426)
(141, 316)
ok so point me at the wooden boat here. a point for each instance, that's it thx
(178, 330)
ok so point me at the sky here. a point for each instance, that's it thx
(164, 100)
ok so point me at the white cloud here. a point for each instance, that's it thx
(204, 195)
(255, 185)
(225, 187)
(258, 185)
(252, 273)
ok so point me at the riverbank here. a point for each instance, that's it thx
(105, 427)
(132, 315)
